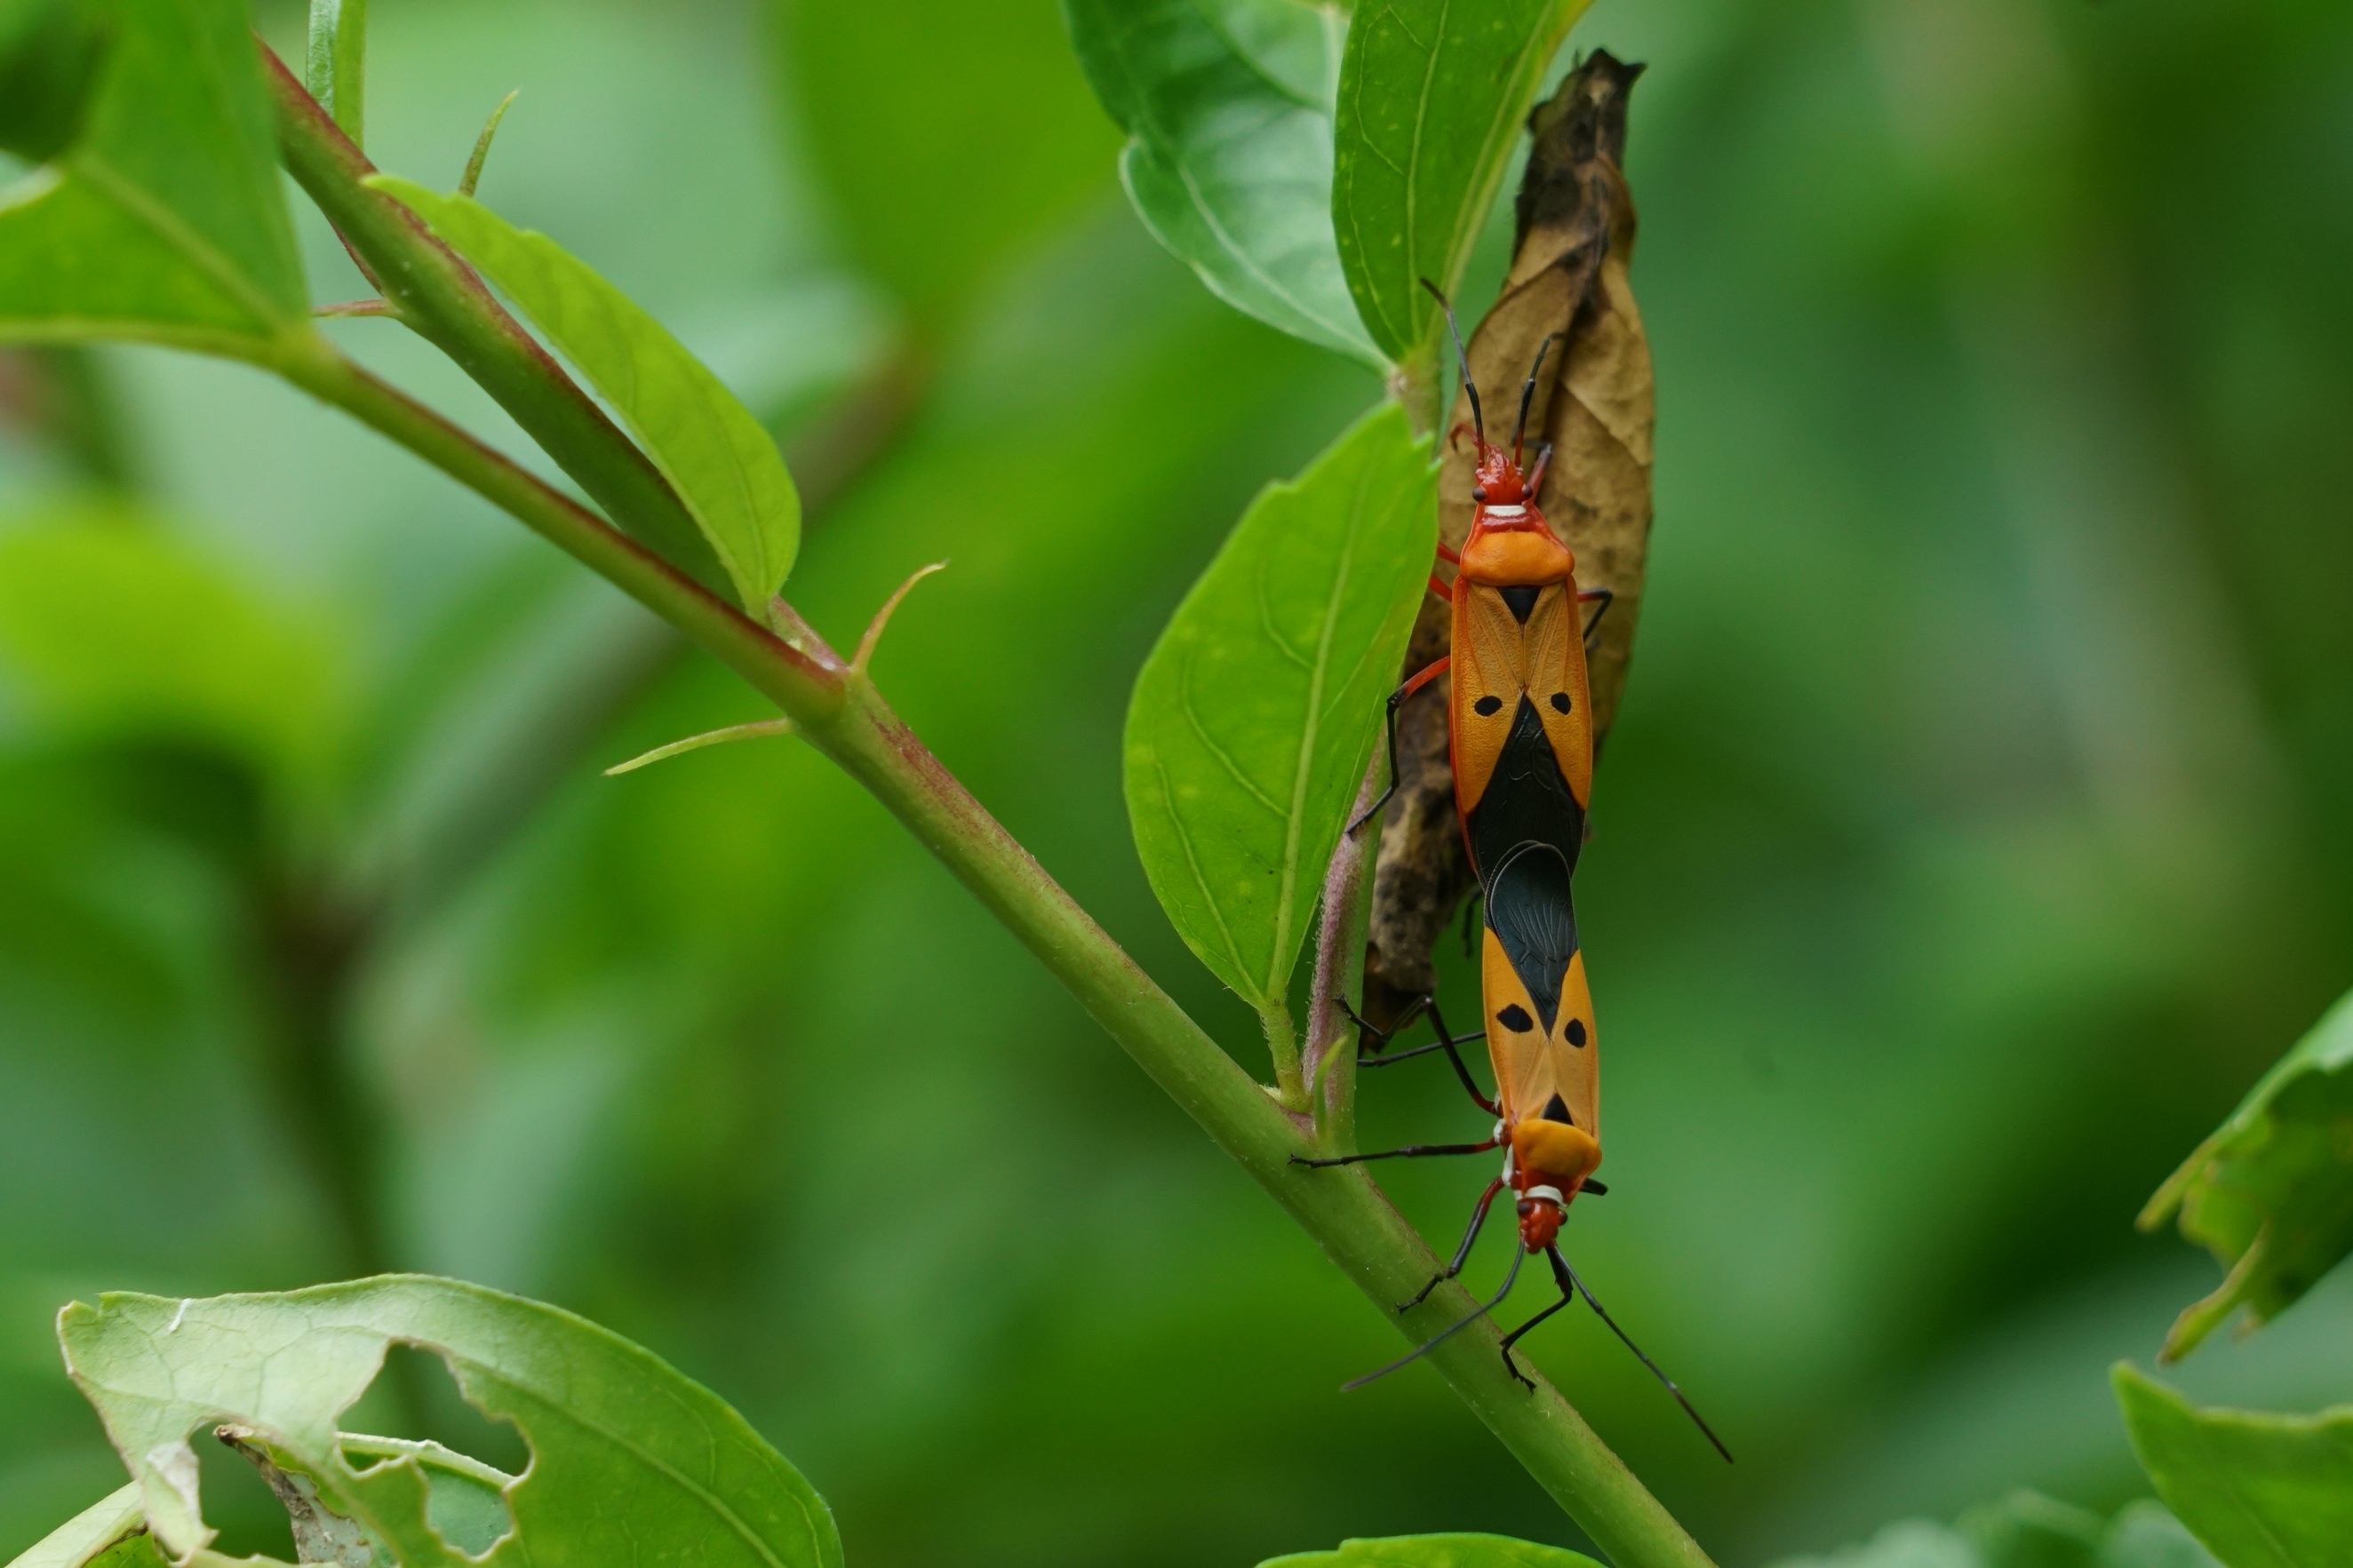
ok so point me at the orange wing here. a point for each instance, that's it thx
(1498, 662)
(1557, 684)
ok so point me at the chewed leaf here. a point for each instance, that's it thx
(630, 1461)
(1431, 98)
(158, 214)
(720, 459)
(113, 1531)
(2269, 1194)
(1228, 107)
(2257, 1491)
(1253, 719)
(1454, 1551)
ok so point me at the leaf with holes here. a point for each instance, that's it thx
(2269, 1194)
(1253, 719)
(2258, 1491)
(156, 213)
(630, 1461)
(1432, 96)
(1227, 110)
(722, 463)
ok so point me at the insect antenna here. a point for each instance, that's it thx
(1463, 358)
(1527, 392)
(1519, 1255)
(1560, 1266)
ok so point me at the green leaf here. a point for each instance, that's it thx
(1228, 107)
(163, 220)
(336, 65)
(2259, 1491)
(716, 454)
(112, 1531)
(51, 52)
(1253, 719)
(2028, 1529)
(2270, 1193)
(889, 100)
(1432, 94)
(2143, 1534)
(109, 628)
(1456, 1551)
(630, 1461)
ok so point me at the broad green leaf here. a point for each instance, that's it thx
(2270, 1193)
(1227, 110)
(51, 52)
(1253, 719)
(1457, 1551)
(2259, 1491)
(1431, 97)
(630, 1461)
(951, 134)
(1907, 1543)
(113, 1531)
(109, 629)
(163, 220)
(716, 454)
(2026, 1530)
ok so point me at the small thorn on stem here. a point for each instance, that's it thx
(758, 727)
(883, 618)
(483, 146)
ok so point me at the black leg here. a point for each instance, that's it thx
(1569, 1281)
(1608, 599)
(1446, 1042)
(1410, 1152)
(1456, 1326)
(1462, 1253)
(1397, 700)
(1513, 1338)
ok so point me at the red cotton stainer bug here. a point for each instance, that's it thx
(1522, 745)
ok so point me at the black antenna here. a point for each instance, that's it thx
(1519, 1255)
(1560, 1266)
(1527, 392)
(1471, 388)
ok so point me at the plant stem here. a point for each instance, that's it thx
(842, 713)
(445, 303)
(1339, 965)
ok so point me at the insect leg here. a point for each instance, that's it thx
(1431, 1343)
(1513, 1338)
(1462, 1253)
(1447, 1040)
(1396, 699)
(1569, 1281)
(1410, 1152)
(1608, 599)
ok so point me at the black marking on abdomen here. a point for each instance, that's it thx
(1526, 800)
(1529, 911)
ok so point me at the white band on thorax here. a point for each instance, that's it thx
(1507, 511)
(1551, 1193)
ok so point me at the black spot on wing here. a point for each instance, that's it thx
(1521, 602)
(1560, 702)
(1575, 1033)
(1529, 911)
(1526, 800)
(1487, 707)
(1557, 1110)
(1515, 1018)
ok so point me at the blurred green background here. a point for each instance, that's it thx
(1974, 834)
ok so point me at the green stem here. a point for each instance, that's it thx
(336, 66)
(842, 713)
(446, 301)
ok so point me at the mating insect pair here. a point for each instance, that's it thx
(1520, 738)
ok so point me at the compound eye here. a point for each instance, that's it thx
(1479, 494)
(1526, 1207)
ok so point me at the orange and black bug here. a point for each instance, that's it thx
(1521, 747)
